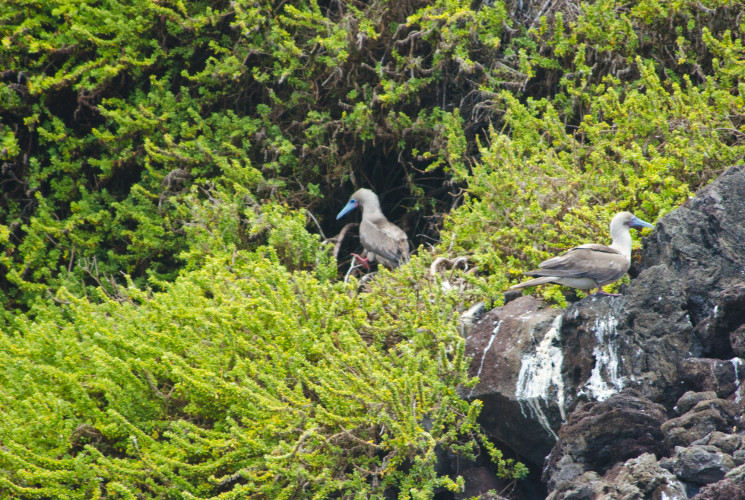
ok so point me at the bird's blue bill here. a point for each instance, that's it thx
(637, 222)
(347, 208)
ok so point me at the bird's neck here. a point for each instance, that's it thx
(622, 242)
(371, 211)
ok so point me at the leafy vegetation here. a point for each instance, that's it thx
(244, 379)
(175, 324)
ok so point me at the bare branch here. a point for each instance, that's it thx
(313, 217)
(340, 237)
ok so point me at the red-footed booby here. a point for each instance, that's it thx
(384, 241)
(591, 266)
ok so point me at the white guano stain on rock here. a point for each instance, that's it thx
(736, 364)
(665, 496)
(486, 351)
(604, 380)
(539, 372)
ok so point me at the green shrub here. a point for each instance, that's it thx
(241, 378)
(173, 326)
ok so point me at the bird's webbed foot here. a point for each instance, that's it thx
(363, 261)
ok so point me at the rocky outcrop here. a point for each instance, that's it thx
(706, 417)
(519, 368)
(700, 464)
(637, 478)
(599, 435)
(640, 394)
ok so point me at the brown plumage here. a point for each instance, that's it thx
(591, 266)
(384, 241)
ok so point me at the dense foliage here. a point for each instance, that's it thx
(174, 324)
(243, 379)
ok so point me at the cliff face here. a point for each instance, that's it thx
(639, 394)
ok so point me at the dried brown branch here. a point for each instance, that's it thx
(337, 240)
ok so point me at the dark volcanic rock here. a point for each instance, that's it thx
(656, 333)
(638, 478)
(707, 416)
(727, 443)
(705, 374)
(702, 464)
(716, 332)
(602, 434)
(739, 455)
(507, 345)
(737, 341)
(702, 243)
(479, 481)
(722, 490)
(676, 338)
(691, 399)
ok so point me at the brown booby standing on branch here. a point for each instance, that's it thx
(591, 266)
(384, 241)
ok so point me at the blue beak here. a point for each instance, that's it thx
(351, 205)
(637, 222)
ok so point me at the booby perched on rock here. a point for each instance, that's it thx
(591, 266)
(384, 241)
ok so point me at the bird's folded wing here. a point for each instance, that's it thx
(385, 239)
(599, 262)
